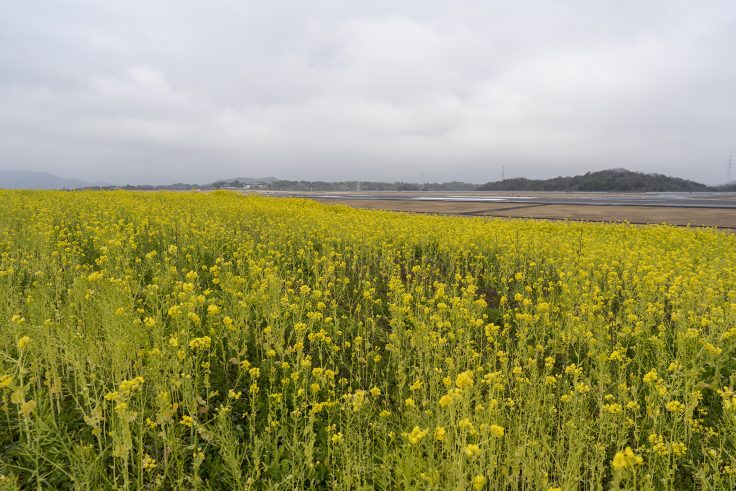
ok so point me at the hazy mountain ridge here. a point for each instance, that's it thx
(21, 179)
(612, 180)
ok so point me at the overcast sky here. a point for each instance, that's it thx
(193, 91)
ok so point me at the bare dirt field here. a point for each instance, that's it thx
(709, 217)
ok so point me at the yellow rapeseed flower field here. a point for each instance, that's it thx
(192, 340)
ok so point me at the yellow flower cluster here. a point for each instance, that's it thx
(132, 385)
(626, 458)
(464, 380)
(200, 343)
(416, 435)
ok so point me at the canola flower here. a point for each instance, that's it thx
(23, 342)
(464, 380)
(200, 343)
(472, 450)
(440, 433)
(5, 381)
(416, 435)
(188, 339)
(497, 431)
(626, 458)
(479, 482)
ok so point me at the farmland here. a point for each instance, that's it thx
(684, 209)
(192, 340)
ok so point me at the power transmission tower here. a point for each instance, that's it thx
(730, 168)
(503, 173)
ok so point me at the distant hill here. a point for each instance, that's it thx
(241, 183)
(730, 187)
(21, 179)
(284, 185)
(241, 180)
(253, 180)
(605, 180)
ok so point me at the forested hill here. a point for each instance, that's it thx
(606, 180)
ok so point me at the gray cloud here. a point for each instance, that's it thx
(194, 91)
